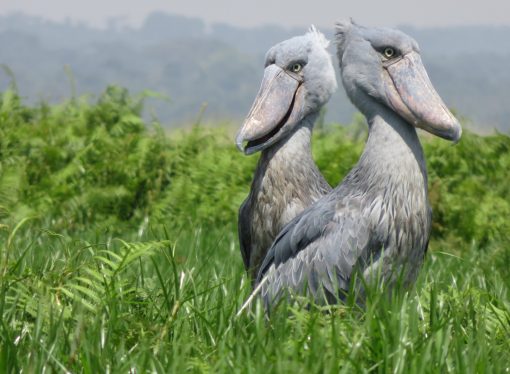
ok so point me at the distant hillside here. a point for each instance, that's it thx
(221, 65)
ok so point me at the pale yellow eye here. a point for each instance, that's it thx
(296, 68)
(389, 52)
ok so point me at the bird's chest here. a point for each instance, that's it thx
(273, 205)
(401, 220)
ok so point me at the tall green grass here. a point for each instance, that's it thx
(119, 254)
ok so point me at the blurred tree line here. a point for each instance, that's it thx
(193, 63)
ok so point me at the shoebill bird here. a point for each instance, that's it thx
(299, 79)
(378, 220)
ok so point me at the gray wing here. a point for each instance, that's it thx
(317, 251)
(244, 232)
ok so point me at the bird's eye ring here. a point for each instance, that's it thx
(389, 52)
(296, 68)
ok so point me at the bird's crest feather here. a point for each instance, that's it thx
(342, 29)
(318, 36)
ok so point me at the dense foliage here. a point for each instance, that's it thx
(119, 251)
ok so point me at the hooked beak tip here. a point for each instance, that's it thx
(239, 143)
(458, 134)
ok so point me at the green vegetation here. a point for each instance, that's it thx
(119, 253)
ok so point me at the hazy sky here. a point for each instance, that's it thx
(283, 12)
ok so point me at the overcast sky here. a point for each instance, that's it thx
(283, 12)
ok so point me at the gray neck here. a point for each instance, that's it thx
(290, 158)
(392, 156)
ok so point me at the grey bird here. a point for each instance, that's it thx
(378, 220)
(299, 79)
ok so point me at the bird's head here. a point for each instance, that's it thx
(299, 79)
(384, 65)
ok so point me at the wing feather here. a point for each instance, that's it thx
(318, 250)
(244, 232)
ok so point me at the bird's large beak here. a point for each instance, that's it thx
(411, 95)
(277, 104)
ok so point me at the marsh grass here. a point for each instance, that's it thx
(96, 304)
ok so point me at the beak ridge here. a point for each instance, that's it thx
(411, 94)
(269, 111)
